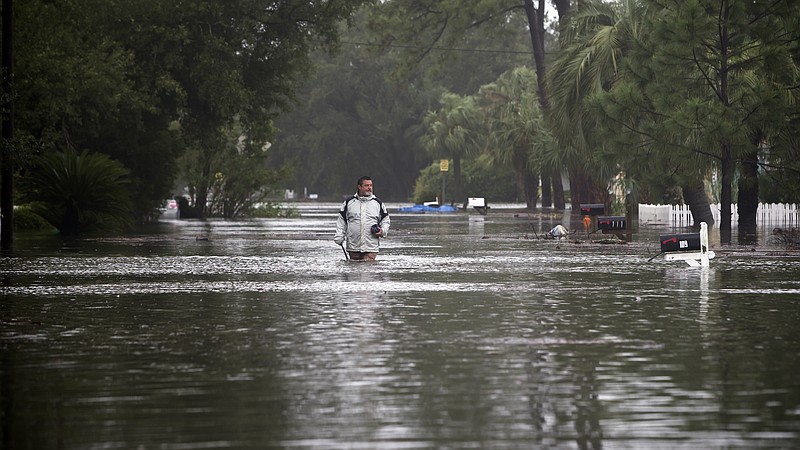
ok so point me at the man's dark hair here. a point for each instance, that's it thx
(363, 179)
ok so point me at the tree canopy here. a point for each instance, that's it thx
(366, 105)
(679, 90)
(147, 81)
(224, 97)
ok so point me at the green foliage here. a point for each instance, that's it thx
(597, 39)
(460, 47)
(369, 115)
(78, 193)
(503, 124)
(243, 178)
(669, 92)
(353, 123)
(486, 179)
(235, 62)
(428, 185)
(517, 138)
(453, 131)
(514, 121)
(779, 187)
(271, 210)
(730, 101)
(482, 178)
(27, 220)
(446, 36)
(351, 111)
(79, 87)
(143, 81)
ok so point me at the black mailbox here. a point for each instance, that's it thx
(687, 242)
(593, 209)
(612, 223)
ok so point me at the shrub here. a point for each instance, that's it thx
(78, 193)
(270, 209)
(27, 220)
(479, 178)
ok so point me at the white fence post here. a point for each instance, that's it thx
(649, 214)
(779, 214)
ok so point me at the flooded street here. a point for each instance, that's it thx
(468, 333)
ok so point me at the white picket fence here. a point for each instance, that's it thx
(775, 214)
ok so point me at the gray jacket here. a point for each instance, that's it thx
(356, 216)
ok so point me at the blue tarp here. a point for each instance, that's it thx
(426, 208)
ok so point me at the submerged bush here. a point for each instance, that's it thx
(27, 220)
(270, 209)
(78, 193)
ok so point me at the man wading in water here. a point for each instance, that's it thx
(363, 220)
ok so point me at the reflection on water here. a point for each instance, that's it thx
(467, 333)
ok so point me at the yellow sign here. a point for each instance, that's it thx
(443, 165)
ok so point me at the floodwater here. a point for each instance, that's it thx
(468, 333)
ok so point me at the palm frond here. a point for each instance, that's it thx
(90, 186)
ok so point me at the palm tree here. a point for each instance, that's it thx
(78, 193)
(516, 134)
(594, 38)
(451, 132)
(598, 39)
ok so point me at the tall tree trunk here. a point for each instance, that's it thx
(456, 197)
(547, 193)
(201, 199)
(558, 190)
(694, 194)
(578, 188)
(535, 15)
(70, 222)
(563, 7)
(6, 159)
(519, 180)
(536, 26)
(726, 196)
(748, 193)
(727, 163)
(531, 189)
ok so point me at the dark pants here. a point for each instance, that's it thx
(363, 256)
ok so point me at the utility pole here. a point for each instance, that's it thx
(6, 159)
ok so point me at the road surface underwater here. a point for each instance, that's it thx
(468, 332)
